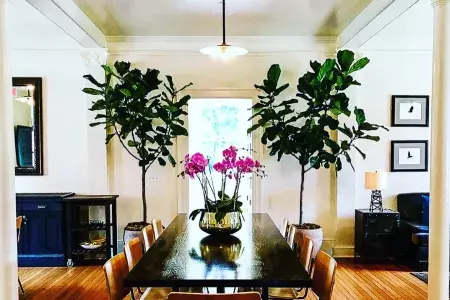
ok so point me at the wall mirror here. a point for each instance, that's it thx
(27, 114)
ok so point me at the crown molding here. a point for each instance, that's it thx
(261, 45)
(93, 56)
(435, 3)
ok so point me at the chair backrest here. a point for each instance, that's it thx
(19, 221)
(149, 236)
(133, 252)
(193, 296)
(157, 227)
(323, 277)
(116, 270)
(306, 252)
(284, 227)
(291, 236)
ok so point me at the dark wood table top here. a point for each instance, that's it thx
(184, 256)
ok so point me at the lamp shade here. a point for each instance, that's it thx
(224, 52)
(376, 181)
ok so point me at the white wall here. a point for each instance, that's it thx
(401, 64)
(392, 73)
(64, 119)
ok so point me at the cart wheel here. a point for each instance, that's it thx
(70, 263)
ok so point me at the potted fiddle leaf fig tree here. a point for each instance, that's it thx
(304, 131)
(144, 113)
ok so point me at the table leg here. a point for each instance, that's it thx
(265, 293)
(114, 227)
(108, 230)
(220, 290)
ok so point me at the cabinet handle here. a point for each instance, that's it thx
(41, 206)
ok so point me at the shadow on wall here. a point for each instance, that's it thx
(341, 16)
(283, 199)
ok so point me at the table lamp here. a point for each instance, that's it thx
(376, 181)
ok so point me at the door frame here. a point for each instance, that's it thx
(182, 145)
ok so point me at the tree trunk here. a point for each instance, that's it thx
(302, 188)
(144, 199)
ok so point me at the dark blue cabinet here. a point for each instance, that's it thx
(41, 237)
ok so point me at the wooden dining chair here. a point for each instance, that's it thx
(291, 236)
(116, 269)
(133, 252)
(19, 221)
(238, 296)
(149, 236)
(324, 276)
(284, 227)
(305, 254)
(157, 227)
(323, 280)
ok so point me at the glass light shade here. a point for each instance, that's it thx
(375, 181)
(224, 51)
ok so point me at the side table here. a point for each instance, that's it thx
(376, 232)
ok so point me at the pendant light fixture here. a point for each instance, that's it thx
(224, 51)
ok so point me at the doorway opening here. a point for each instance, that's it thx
(216, 124)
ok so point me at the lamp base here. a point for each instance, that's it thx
(376, 200)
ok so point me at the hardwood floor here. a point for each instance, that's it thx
(352, 282)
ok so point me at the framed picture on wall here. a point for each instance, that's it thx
(410, 111)
(409, 156)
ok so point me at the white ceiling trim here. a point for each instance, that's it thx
(72, 20)
(192, 45)
(374, 18)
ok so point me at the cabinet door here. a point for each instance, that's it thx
(42, 234)
(53, 233)
(33, 234)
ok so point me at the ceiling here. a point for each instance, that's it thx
(203, 17)
(29, 29)
(413, 30)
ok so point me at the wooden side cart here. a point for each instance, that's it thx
(81, 227)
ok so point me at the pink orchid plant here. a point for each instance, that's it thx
(231, 168)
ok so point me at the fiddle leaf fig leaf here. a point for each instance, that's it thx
(274, 73)
(92, 91)
(326, 69)
(363, 155)
(171, 160)
(125, 92)
(93, 81)
(345, 59)
(360, 116)
(161, 161)
(358, 65)
(371, 137)
(107, 69)
(315, 66)
(121, 67)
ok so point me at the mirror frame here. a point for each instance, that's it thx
(37, 115)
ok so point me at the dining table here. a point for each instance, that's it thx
(186, 257)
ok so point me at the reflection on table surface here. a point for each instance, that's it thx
(186, 256)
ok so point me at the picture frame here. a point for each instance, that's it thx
(410, 111)
(409, 156)
(25, 167)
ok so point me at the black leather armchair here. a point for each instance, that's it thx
(413, 233)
